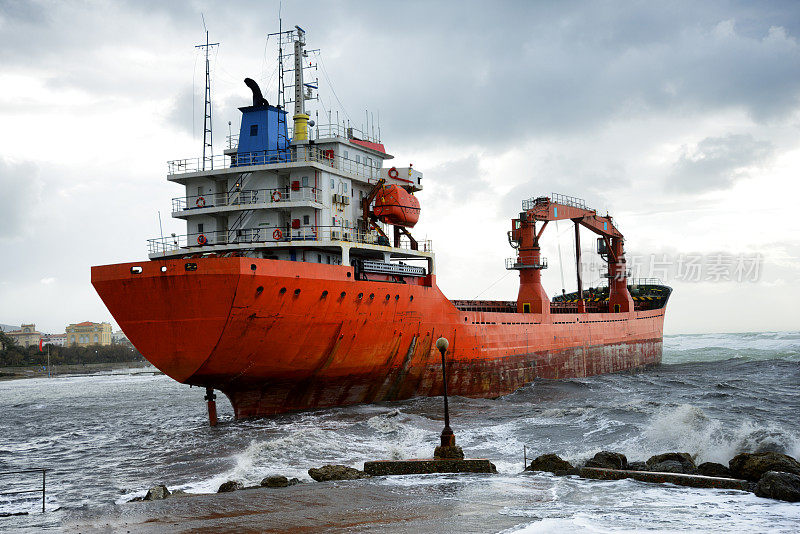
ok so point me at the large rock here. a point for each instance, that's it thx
(608, 460)
(683, 458)
(231, 485)
(156, 493)
(751, 466)
(275, 481)
(711, 469)
(551, 463)
(777, 485)
(335, 472)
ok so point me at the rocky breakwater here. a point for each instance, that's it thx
(767, 474)
(777, 475)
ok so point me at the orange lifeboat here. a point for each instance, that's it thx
(395, 205)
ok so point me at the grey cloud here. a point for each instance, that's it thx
(565, 69)
(22, 11)
(566, 175)
(461, 177)
(465, 74)
(717, 162)
(182, 114)
(20, 189)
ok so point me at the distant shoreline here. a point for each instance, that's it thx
(37, 371)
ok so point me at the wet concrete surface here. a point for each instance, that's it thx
(439, 505)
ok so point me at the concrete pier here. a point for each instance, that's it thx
(427, 466)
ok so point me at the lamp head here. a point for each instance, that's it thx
(442, 344)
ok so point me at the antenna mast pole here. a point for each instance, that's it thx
(299, 88)
(207, 138)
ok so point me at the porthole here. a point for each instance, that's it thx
(349, 274)
(252, 266)
(283, 290)
(296, 292)
(163, 268)
(371, 296)
(137, 270)
(325, 293)
(397, 297)
(190, 266)
(360, 296)
(388, 297)
(411, 297)
(259, 289)
(342, 294)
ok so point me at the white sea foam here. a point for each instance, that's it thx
(687, 428)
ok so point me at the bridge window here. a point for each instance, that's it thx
(305, 219)
(253, 130)
(304, 181)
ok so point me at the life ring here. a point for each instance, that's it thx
(393, 172)
(201, 240)
(201, 202)
(277, 235)
(276, 196)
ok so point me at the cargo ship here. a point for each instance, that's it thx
(299, 283)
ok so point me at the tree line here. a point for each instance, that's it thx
(14, 355)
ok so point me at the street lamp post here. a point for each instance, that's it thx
(448, 438)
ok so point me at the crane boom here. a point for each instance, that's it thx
(561, 208)
(525, 238)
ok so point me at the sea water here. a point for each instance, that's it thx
(106, 438)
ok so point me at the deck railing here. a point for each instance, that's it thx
(246, 197)
(321, 131)
(307, 154)
(275, 235)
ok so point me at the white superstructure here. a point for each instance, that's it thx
(290, 197)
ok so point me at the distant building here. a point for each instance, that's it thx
(119, 338)
(8, 328)
(26, 336)
(88, 333)
(54, 339)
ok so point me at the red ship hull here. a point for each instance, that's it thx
(278, 336)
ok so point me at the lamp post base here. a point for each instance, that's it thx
(448, 452)
(448, 439)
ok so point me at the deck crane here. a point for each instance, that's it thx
(525, 237)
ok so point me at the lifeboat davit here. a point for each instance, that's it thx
(395, 205)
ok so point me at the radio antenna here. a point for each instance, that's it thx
(208, 143)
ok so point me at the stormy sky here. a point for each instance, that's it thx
(681, 119)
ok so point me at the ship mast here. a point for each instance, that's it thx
(302, 91)
(299, 96)
(207, 137)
